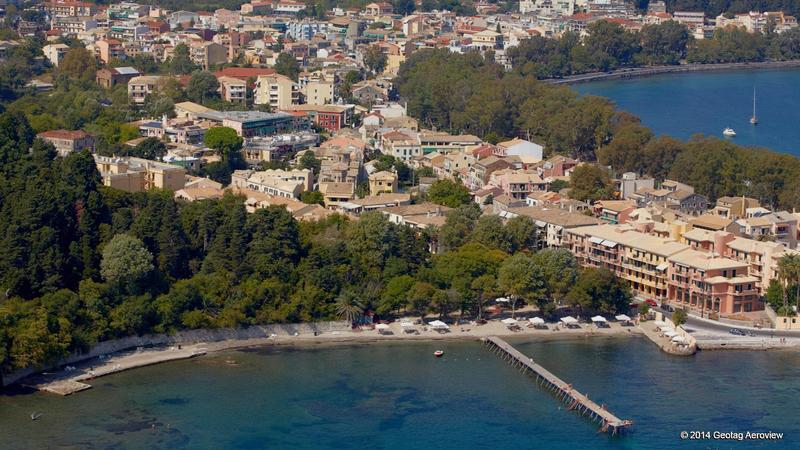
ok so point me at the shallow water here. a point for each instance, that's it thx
(681, 105)
(396, 395)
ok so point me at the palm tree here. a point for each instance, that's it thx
(788, 275)
(348, 307)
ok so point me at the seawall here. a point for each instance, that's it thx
(678, 68)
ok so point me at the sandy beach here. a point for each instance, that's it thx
(74, 378)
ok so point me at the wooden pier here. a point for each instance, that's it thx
(574, 399)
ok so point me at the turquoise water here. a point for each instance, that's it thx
(397, 396)
(681, 105)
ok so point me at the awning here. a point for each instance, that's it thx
(662, 267)
(623, 318)
(595, 240)
(599, 319)
(609, 244)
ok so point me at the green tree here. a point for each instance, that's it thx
(150, 148)
(312, 198)
(78, 64)
(449, 193)
(181, 63)
(522, 278)
(202, 87)
(599, 290)
(287, 66)
(679, 317)
(590, 182)
(125, 260)
(375, 59)
(310, 161)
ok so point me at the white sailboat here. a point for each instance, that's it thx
(753, 118)
(729, 132)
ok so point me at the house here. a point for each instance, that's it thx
(382, 181)
(734, 207)
(208, 54)
(614, 211)
(528, 152)
(401, 144)
(109, 49)
(517, 184)
(67, 142)
(138, 174)
(319, 91)
(233, 90)
(713, 222)
(336, 194)
(421, 216)
(369, 203)
(778, 227)
(109, 77)
(55, 52)
(378, 9)
(631, 183)
(481, 170)
(329, 117)
(276, 182)
(142, 86)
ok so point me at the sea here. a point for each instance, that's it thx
(681, 105)
(396, 395)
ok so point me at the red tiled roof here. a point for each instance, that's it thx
(243, 73)
(63, 134)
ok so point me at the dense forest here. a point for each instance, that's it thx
(465, 93)
(608, 46)
(713, 8)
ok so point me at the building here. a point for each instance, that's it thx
(66, 8)
(109, 77)
(336, 194)
(279, 183)
(208, 54)
(67, 142)
(550, 223)
(528, 152)
(108, 49)
(778, 227)
(233, 90)
(630, 183)
(251, 123)
(278, 91)
(383, 181)
(378, 9)
(319, 92)
(142, 86)
(55, 53)
(138, 174)
(614, 211)
(734, 207)
(329, 117)
(517, 183)
(401, 144)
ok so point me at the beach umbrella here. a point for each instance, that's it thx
(569, 320)
(623, 318)
(670, 334)
(599, 319)
(509, 321)
(536, 320)
(679, 339)
(438, 324)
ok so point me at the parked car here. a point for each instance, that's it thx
(736, 332)
(651, 302)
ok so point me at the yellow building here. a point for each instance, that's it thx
(382, 181)
(278, 91)
(138, 174)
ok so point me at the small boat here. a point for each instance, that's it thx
(728, 132)
(753, 118)
(438, 353)
(35, 415)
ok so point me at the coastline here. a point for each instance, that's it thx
(678, 68)
(75, 379)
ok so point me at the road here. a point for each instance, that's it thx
(715, 333)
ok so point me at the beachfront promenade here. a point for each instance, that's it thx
(564, 391)
(68, 381)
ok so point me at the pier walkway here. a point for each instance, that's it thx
(574, 399)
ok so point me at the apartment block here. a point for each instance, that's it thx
(138, 174)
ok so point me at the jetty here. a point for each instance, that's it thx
(563, 391)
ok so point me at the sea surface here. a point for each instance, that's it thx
(681, 105)
(398, 396)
